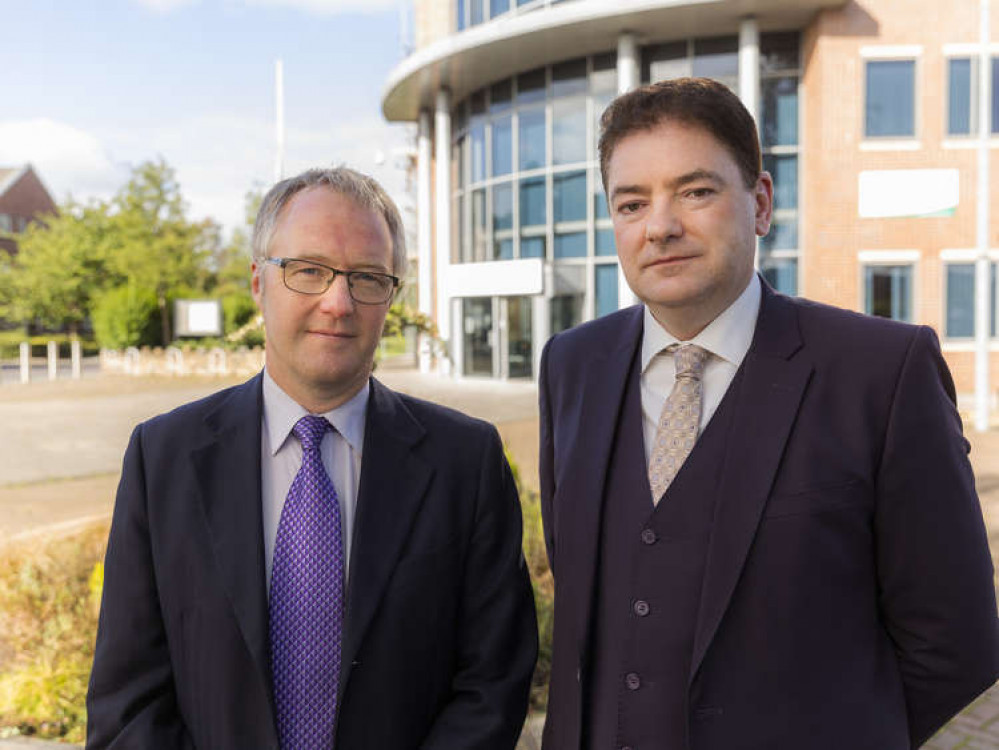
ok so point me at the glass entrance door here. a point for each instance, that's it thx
(477, 323)
(520, 354)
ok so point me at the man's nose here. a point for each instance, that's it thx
(337, 300)
(663, 222)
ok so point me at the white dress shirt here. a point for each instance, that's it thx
(281, 458)
(727, 338)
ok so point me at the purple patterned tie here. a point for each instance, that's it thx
(306, 601)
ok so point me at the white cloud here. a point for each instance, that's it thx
(69, 160)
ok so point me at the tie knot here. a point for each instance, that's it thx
(310, 430)
(689, 360)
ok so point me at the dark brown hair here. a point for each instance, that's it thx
(696, 102)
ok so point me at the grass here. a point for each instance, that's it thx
(49, 600)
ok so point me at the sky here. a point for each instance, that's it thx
(92, 88)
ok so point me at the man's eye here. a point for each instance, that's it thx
(699, 192)
(308, 271)
(629, 208)
(365, 278)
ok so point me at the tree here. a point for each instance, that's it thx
(60, 267)
(158, 248)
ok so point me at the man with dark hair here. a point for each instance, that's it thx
(759, 510)
(310, 560)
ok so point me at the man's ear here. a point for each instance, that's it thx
(256, 283)
(763, 194)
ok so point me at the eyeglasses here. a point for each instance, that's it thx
(309, 277)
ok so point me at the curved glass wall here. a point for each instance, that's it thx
(528, 184)
(473, 12)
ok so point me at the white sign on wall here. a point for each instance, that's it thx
(197, 317)
(908, 193)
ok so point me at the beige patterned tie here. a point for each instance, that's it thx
(680, 418)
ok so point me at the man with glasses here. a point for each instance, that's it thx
(310, 560)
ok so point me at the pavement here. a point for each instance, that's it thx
(61, 445)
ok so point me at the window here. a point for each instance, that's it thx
(605, 288)
(888, 291)
(959, 320)
(532, 139)
(960, 112)
(890, 99)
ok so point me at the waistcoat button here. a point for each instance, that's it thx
(632, 681)
(641, 608)
(649, 536)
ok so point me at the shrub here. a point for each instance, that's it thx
(126, 316)
(49, 601)
(543, 584)
(238, 308)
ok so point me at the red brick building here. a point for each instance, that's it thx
(23, 199)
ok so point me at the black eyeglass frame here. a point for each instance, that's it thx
(282, 263)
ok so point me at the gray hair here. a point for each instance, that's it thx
(361, 188)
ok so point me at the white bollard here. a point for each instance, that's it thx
(25, 352)
(53, 358)
(76, 355)
(131, 361)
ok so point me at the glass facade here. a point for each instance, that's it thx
(959, 318)
(527, 184)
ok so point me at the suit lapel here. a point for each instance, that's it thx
(227, 469)
(392, 486)
(773, 383)
(589, 457)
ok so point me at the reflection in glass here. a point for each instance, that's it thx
(565, 311)
(532, 202)
(532, 247)
(780, 112)
(570, 196)
(717, 58)
(503, 249)
(784, 170)
(570, 245)
(663, 62)
(519, 347)
(569, 78)
(959, 96)
(502, 207)
(603, 79)
(888, 292)
(501, 96)
(498, 7)
(477, 136)
(960, 314)
(502, 145)
(605, 286)
(569, 131)
(890, 98)
(531, 86)
(779, 52)
(781, 274)
(479, 237)
(477, 316)
(782, 236)
(532, 139)
(605, 242)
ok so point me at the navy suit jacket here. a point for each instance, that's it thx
(440, 635)
(848, 597)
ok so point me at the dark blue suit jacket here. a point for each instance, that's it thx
(848, 596)
(440, 634)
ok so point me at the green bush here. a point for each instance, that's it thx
(126, 316)
(49, 601)
(238, 308)
(543, 584)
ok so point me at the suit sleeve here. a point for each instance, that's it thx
(934, 566)
(131, 701)
(498, 630)
(546, 457)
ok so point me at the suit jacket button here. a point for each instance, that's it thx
(641, 608)
(649, 536)
(632, 681)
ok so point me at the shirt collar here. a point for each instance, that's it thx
(728, 336)
(281, 412)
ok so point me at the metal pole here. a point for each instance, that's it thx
(424, 243)
(983, 303)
